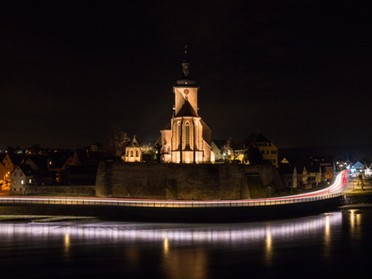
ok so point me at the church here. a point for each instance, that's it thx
(186, 138)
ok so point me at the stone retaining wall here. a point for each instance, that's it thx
(185, 181)
(76, 190)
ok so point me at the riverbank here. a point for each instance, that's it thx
(44, 218)
(357, 196)
(158, 211)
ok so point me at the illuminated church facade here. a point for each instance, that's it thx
(186, 138)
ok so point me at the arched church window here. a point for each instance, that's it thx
(187, 133)
(131, 153)
(136, 153)
(179, 128)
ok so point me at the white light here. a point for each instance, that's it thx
(244, 232)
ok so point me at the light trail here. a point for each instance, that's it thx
(337, 187)
(335, 190)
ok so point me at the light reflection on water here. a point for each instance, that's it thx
(185, 250)
(240, 232)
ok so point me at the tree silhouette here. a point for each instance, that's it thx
(117, 141)
(254, 155)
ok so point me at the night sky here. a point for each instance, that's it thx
(299, 72)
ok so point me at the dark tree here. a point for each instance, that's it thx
(254, 155)
(117, 141)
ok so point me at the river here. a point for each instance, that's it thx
(337, 243)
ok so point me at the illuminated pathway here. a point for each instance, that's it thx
(335, 190)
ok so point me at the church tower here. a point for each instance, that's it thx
(187, 138)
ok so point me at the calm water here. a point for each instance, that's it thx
(334, 243)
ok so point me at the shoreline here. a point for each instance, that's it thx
(177, 215)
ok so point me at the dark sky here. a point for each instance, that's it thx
(299, 72)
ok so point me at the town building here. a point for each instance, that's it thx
(267, 148)
(133, 152)
(3, 177)
(303, 174)
(20, 178)
(9, 161)
(225, 151)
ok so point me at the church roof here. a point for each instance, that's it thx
(187, 110)
(207, 132)
(134, 142)
(167, 126)
(185, 81)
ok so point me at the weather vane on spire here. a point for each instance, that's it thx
(185, 64)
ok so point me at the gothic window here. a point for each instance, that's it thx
(187, 134)
(136, 153)
(131, 153)
(179, 133)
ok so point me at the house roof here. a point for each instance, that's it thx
(15, 158)
(254, 138)
(40, 161)
(310, 167)
(26, 169)
(358, 165)
(58, 159)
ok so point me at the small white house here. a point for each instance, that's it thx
(20, 178)
(356, 169)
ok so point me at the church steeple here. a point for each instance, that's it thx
(188, 138)
(186, 78)
(185, 64)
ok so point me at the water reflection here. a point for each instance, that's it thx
(187, 250)
(268, 246)
(183, 233)
(66, 244)
(354, 219)
(186, 263)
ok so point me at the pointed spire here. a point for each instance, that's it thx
(134, 140)
(185, 53)
(185, 64)
(186, 78)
